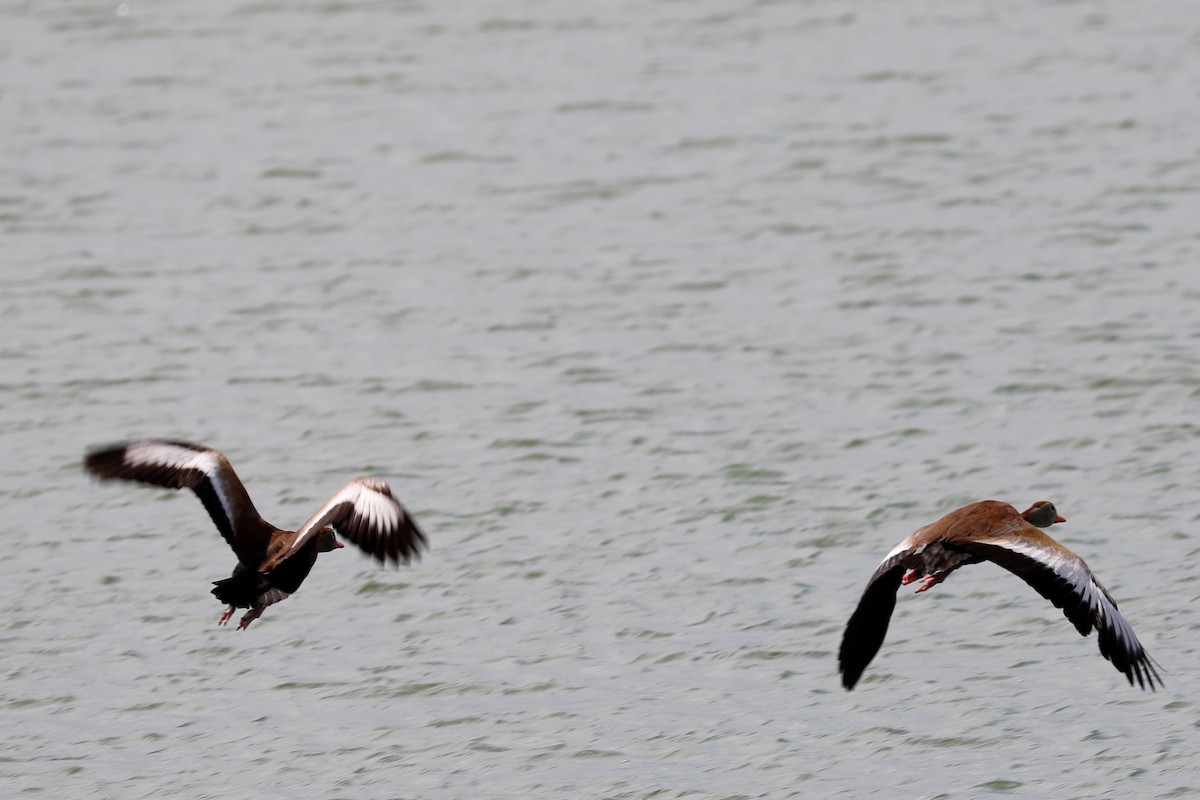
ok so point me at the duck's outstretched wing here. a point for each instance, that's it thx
(868, 624)
(181, 465)
(365, 512)
(1063, 578)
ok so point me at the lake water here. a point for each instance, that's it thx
(667, 320)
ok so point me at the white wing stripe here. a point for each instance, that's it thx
(168, 455)
(373, 514)
(1102, 608)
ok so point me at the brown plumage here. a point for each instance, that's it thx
(272, 563)
(993, 531)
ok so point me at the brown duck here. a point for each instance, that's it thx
(272, 563)
(993, 531)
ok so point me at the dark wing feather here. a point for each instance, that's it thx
(868, 624)
(1064, 579)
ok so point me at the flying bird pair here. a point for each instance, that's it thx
(272, 563)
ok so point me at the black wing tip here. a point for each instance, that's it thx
(397, 545)
(854, 656)
(852, 661)
(858, 650)
(1120, 646)
(1144, 669)
(407, 543)
(104, 461)
(408, 551)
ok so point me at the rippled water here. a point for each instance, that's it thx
(667, 320)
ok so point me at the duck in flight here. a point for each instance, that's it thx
(993, 531)
(272, 563)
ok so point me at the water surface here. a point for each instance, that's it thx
(667, 321)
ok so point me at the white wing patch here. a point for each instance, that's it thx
(363, 503)
(165, 454)
(380, 510)
(170, 455)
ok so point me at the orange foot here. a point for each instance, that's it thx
(251, 615)
(930, 581)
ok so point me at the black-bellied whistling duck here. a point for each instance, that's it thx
(272, 563)
(993, 531)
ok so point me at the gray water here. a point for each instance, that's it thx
(667, 320)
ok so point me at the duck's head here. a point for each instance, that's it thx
(1043, 514)
(326, 541)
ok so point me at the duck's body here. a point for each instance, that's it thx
(993, 531)
(272, 562)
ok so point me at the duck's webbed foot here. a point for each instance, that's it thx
(225, 616)
(250, 616)
(930, 581)
(909, 577)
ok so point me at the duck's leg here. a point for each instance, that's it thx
(933, 579)
(937, 564)
(930, 581)
(225, 616)
(250, 616)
